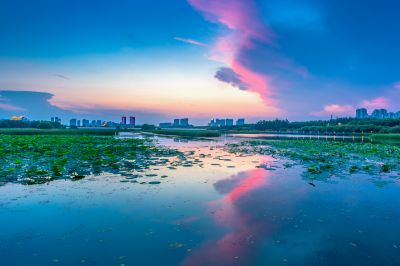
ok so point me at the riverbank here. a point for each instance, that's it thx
(386, 138)
(80, 131)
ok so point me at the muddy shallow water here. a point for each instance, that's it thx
(215, 208)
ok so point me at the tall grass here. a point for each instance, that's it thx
(386, 138)
(34, 131)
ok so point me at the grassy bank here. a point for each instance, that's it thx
(386, 138)
(34, 131)
(37, 159)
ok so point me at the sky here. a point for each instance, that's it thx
(202, 59)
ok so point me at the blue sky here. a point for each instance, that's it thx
(160, 59)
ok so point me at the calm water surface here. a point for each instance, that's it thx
(219, 210)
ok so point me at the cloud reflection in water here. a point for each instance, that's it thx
(239, 212)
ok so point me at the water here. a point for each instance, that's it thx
(222, 210)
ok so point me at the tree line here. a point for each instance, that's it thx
(335, 125)
(5, 123)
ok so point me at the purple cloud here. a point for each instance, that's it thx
(226, 74)
(246, 28)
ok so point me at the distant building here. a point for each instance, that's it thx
(184, 122)
(220, 122)
(78, 123)
(110, 124)
(98, 123)
(93, 123)
(212, 123)
(55, 119)
(165, 125)
(132, 121)
(73, 122)
(380, 114)
(123, 120)
(85, 123)
(240, 122)
(361, 113)
(176, 122)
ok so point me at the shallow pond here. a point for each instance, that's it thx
(212, 208)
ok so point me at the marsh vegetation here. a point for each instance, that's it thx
(189, 199)
(34, 159)
(323, 159)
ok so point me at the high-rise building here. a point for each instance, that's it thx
(85, 123)
(379, 114)
(123, 120)
(132, 121)
(398, 114)
(93, 123)
(98, 123)
(212, 123)
(220, 122)
(229, 122)
(78, 123)
(73, 122)
(176, 122)
(240, 122)
(361, 113)
(184, 122)
(56, 119)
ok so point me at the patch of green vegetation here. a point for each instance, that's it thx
(34, 159)
(324, 159)
(386, 138)
(34, 131)
(343, 125)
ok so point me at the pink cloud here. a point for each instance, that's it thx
(191, 41)
(9, 107)
(241, 17)
(380, 102)
(242, 226)
(238, 213)
(335, 109)
(238, 15)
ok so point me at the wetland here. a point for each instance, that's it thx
(145, 199)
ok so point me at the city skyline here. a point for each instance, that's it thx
(360, 113)
(300, 60)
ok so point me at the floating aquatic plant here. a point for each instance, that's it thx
(324, 159)
(36, 159)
